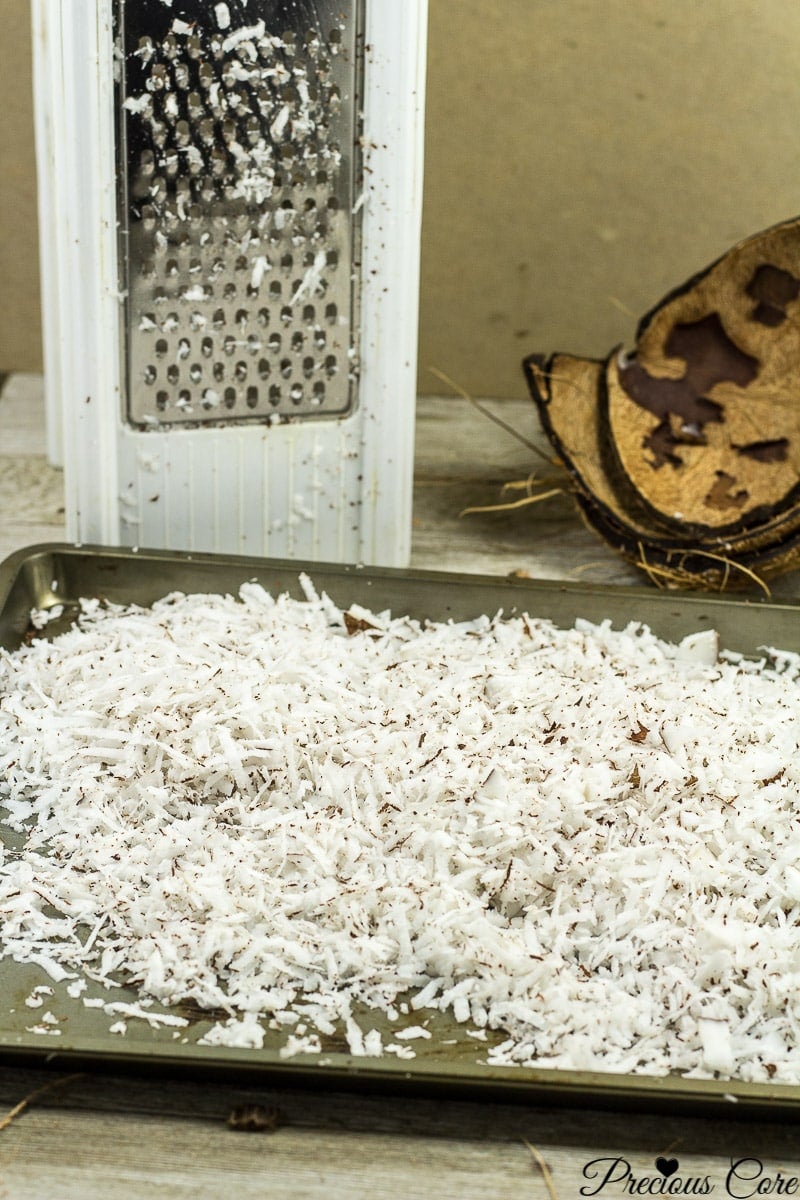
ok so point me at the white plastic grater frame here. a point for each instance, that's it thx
(45, 22)
(327, 489)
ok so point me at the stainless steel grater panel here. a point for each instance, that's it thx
(240, 165)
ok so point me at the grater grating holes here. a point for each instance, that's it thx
(217, 178)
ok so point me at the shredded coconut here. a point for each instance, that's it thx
(399, 1050)
(37, 997)
(300, 1045)
(152, 1018)
(47, 1025)
(584, 841)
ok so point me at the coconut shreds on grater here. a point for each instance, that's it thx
(586, 839)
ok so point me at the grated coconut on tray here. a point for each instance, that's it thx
(585, 842)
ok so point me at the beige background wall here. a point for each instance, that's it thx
(20, 333)
(583, 156)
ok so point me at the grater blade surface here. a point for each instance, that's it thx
(239, 166)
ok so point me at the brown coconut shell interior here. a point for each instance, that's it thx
(704, 415)
(685, 454)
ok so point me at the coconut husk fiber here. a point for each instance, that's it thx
(686, 450)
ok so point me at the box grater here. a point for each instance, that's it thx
(230, 204)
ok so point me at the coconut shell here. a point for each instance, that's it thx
(685, 455)
(567, 392)
(704, 417)
(694, 566)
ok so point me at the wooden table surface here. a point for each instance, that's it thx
(131, 1137)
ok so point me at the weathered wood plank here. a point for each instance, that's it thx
(68, 1153)
(22, 420)
(119, 1157)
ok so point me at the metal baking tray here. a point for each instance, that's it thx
(46, 575)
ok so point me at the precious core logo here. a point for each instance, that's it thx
(745, 1178)
(616, 1175)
